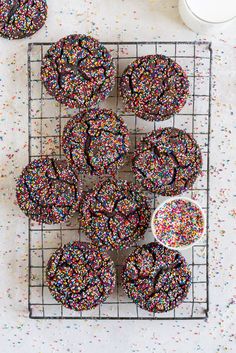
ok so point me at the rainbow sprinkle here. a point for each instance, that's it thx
(178, 223)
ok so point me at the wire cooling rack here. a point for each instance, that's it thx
(46, 121)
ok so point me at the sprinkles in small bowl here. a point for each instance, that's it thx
(178, 223)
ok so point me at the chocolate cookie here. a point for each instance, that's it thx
(154, 87)
(79, 276)
(78, 71)
(157, 279)
(48, 191)
(167, 161)
(21, 18)
(96, 142)
(115, 215)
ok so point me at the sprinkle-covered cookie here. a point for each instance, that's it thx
(79, 276)
(21, 18)
(96, 142)
(178, 222)
(48, 191)
(78, 71)
(115, 215)
(157, 279)
(167, 161)
(154, 87)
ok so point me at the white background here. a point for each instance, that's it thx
(122, 20)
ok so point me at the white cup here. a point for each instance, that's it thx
(207, 16)
(169, 200)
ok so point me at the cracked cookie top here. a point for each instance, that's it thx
(96, 142)
(48, 191)
(115, 215)
(156, 278)
(79, 276)
(167, 161)
(21, 18)
(78, 71)
(154, 87)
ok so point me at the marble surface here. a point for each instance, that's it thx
(122, 20)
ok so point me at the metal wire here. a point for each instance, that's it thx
(46, 121)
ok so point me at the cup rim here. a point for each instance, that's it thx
(185, 247)
(203, 20)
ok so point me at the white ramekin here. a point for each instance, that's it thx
(168, 201)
